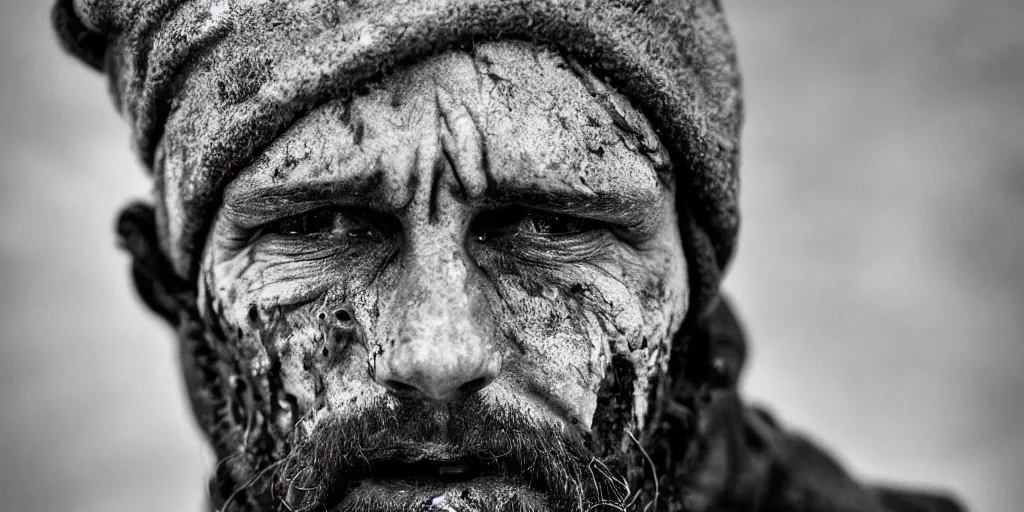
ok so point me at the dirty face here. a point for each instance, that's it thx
(454, 291)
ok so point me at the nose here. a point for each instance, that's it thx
(436, 371)
(441, 351)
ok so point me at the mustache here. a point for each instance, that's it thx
(441, 441)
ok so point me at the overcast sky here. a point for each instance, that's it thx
(880, 268)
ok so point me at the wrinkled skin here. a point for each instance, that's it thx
(493, 227)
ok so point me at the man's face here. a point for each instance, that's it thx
(454, 291)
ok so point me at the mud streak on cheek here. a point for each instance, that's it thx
(640, 307)
(604, 330)
(265, 342)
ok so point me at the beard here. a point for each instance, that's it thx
(454, 457)
(396, 454)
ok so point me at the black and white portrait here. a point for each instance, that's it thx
(512, 256)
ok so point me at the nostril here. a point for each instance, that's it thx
(473, 386)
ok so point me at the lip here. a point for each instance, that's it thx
(428, 494)
(448, 484)
(443, 470)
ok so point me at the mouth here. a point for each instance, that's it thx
(444, 485)
(446, 470)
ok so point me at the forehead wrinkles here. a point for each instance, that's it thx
(545, 122)
(505, 114)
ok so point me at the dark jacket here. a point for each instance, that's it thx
(748, 462)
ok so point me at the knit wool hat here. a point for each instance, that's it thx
(207, 84)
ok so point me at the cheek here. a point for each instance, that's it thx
(555, 354)
(661, 288)
(302, 326)
(567, 325)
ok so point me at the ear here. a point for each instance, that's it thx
(174, 299)
(157, 284)
(76, 37)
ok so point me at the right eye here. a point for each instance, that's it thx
(522, 222)
(328, 222)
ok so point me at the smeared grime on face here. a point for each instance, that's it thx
(315, 322)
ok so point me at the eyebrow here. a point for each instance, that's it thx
(621, 208)
(260, 203)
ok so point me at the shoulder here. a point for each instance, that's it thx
(807, 477)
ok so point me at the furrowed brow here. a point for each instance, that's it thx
(624, 207)
(256, 204)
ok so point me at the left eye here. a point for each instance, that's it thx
(326, 221)
(517, 221)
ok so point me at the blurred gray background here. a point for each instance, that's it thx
(880, 271)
